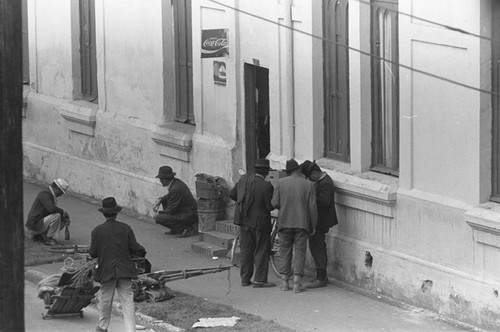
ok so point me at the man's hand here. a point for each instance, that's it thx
(65, 219)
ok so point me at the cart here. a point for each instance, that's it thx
(69, 302)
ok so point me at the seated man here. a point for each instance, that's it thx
(44, 218)
(180, 211)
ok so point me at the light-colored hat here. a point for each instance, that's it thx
(62, 184)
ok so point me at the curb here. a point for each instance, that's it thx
(34, 276)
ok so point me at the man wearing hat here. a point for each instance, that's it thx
(44, 217)
(180, 211)
(295, 198)
(327, 218)
(253, 196)
(113, 243)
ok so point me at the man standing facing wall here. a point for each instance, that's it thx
(295, 197)
(327, 218)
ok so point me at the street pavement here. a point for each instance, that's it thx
(334, 308)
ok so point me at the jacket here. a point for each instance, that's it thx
(179, 201)
(43, 205)
(325, 196)
(113, 243)
(295, 197)
(253, 196)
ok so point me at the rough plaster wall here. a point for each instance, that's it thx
(133, 59)
(53, 41)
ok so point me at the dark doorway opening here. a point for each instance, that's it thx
(257, 133)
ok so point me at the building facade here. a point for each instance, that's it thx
(396, 100)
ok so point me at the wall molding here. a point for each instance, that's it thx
(174, 140)
(80, 116)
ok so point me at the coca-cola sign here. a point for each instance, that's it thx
(214, 43)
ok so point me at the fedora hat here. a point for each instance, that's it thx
(61, 184)
(308, 167)
(165, 172)
(109, 206)
(291, 165)
(262, 163)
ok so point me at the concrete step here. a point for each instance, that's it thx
(227, 226)
(209, 250)
(220, 239)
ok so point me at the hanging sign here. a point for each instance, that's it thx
(220, 72)
(214, 43)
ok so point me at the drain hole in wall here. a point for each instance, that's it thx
(495, 293)
(426, 286)
(368, 260)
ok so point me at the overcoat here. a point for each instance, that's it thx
(113, 243)
(253, 196)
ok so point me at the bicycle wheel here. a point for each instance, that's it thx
(275, 257)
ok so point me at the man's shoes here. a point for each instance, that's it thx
(263, 284)
(168, 231)
(297, 284)
(316, 283)
(50, 241)
(285, 285)
(187, 232)
(98, 329)
(246, 283)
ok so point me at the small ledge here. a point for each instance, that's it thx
(80, 116)
(484, 218)
(364, 194)
(174, 140)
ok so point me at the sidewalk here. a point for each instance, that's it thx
(333, 308)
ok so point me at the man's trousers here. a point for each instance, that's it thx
(255, 247)
(293, 247)
(51, 225)
(317, 246)
(124, 289)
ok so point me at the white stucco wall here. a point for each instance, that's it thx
(441, 121)
(133, 65)
(50, 31)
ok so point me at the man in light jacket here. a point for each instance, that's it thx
(295, 198)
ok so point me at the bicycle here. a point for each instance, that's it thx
(274, 255)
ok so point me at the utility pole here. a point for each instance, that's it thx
(11, 166)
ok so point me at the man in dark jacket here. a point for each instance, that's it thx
(44, 217)
(253, 196)
(180, 211)
(113, 243)
(327, 218)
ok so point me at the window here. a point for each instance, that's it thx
(183, 61)
(336, 79)
(88, 50)
(495, 47)
(26, 69)
(385, 86)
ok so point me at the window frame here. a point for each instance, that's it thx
(88, 57)
(336, 79)
(495, 101)
(183, 61)
(385, 94)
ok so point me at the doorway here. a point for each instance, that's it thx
(257, 133)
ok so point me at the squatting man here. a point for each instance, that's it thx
(45, 218)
